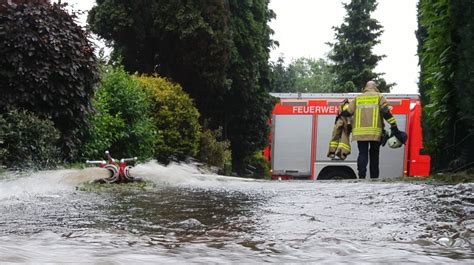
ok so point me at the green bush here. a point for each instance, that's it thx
(212, 151)
(27, 141)
(257, 166)
(122, 124)
(48, 66)
(175, 117)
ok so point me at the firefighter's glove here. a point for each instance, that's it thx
(349, 128)
(394, 131)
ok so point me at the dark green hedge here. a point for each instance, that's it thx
(47, 66)
(27, 141)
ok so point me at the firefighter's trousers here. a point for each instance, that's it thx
(368, 150)
(339, 144)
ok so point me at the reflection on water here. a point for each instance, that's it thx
(182, 215)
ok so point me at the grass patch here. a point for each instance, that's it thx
(115, 187)
(439, 178)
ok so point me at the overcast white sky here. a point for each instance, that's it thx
(304, 26)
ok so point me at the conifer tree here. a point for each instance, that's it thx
(248, 103)
(352, 57)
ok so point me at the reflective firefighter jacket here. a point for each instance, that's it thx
(339, 144)
(368, 111)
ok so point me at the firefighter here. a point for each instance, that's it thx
(368, 111)
(339, 144)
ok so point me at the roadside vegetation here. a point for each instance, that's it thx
(217, 51)
(114, 188)
(61, 105)
(439, 178)
(446, 53)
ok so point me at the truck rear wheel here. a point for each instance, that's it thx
(336, 173)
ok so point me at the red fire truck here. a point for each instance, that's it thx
(301, 127)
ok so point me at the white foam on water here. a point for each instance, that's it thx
(181, 174)
(18, 185)
(52, 182)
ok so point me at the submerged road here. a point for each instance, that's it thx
(181, 216)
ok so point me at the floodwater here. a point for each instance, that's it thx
(183, 216)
